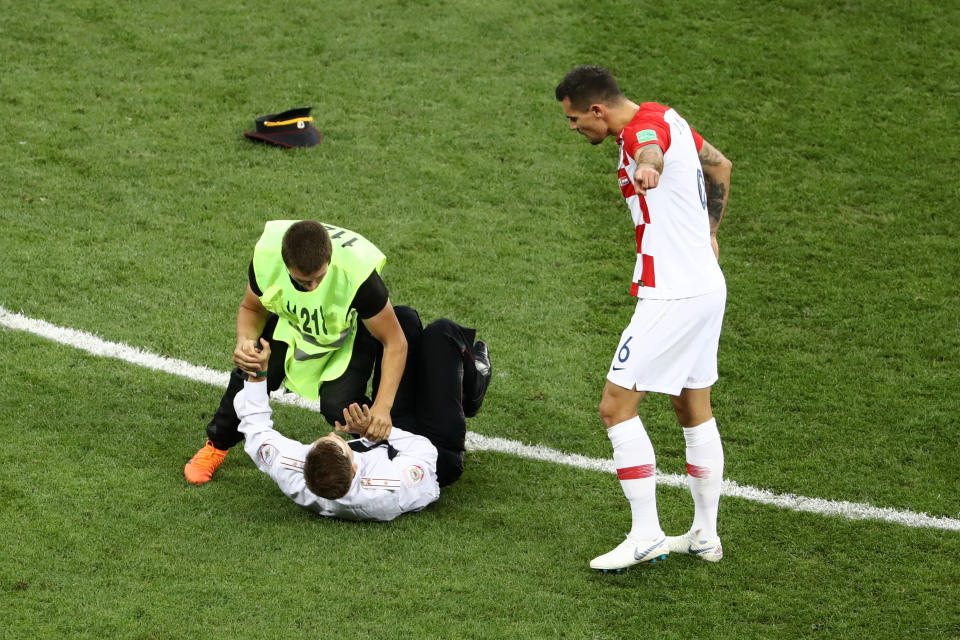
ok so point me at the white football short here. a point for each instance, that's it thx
(670, 345)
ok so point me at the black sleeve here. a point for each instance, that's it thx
(372, 297)
(252, 277)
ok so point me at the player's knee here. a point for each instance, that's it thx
(332, 413)
(609, 412)
(441, 327)
(691, 411)
(683, 413)
(440, 333)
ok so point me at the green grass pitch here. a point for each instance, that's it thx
(131, 202)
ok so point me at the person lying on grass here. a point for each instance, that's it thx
(362, 479)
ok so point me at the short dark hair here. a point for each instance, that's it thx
(306, 246)
(327, 470)
(589, 85)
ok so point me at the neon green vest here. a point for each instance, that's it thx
(319, 325)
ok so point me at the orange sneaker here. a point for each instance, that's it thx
(201, 466)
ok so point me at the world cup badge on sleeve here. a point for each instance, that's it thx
(413, 475)
(267, 453)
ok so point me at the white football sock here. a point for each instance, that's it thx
(636, 467)
(705, 473)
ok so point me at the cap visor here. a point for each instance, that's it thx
(307, 137)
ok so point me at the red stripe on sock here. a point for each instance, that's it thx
(636, 473)
(698, 472)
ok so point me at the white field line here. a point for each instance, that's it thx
(477, 442)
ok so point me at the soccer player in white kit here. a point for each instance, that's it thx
(676, 186)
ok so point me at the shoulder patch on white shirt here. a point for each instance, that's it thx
(413, 475)
(267, 452)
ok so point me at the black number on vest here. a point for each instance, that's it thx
(339, 234)
(306, 321)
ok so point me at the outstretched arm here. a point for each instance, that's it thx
(252, 403)
(386, 328)
(271, 452)
(251, 318)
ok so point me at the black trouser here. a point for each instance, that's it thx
(429, 399)
(335, 395)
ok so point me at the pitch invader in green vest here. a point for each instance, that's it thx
(315, 294)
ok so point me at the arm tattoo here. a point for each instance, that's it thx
(709, 156)
(651, 154)
(716, 193)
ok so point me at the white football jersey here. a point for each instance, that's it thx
(672, 228)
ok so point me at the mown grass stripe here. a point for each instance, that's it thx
(477, 442)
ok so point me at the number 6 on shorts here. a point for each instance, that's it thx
(624, 353)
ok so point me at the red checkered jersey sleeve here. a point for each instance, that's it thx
(649, 127)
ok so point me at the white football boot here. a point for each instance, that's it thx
(692, 543)
(630, 552)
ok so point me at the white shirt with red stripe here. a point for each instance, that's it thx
(674, 255)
